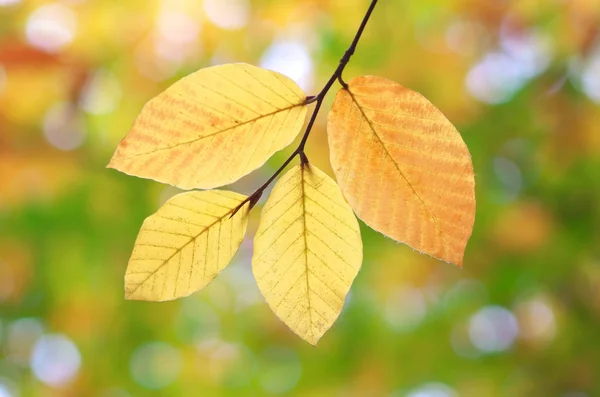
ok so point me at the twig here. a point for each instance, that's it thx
(318, 99)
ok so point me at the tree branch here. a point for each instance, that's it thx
(337, 75)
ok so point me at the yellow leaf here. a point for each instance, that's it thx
(182, 247)
(307, 251)
(213, 127)
(403, 166)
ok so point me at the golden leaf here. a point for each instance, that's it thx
(184, 245)
(307, 251)
(213, 127)
(403, 166)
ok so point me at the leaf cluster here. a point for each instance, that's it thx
(400, 166)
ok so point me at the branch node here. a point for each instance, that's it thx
(342, 82)
(318, 99)
(254, 198)
(303, 158)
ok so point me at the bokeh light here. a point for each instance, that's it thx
(464, 37)
(291, 58)
(64, 127)
(433, 389)
(500, 74)
(406, 308)
(509, 175)
(228, 14)
(21, 336)
(493, 329)
(55, 360)
(155, 365)
(178, 27)
(8, 3)
(536, 320)
(8, 388)
(101, 93)
(51, 27)
(177, 37)
(4, 392)
(590, 76)
(230, 364)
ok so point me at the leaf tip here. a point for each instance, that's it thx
(313, 340)
(129, 296)
(458, 261)
(112, 163)
(132, 293)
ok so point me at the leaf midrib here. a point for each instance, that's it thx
(304, 215)
(200, 138)
(382, 143)
(178, 250)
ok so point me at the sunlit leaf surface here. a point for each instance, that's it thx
(307, 251)
(213, 127)
(185, 245)
(403, 166)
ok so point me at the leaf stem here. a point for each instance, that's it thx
(318, 99)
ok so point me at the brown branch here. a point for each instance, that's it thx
(337, 75)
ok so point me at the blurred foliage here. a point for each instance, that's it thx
(521, 80)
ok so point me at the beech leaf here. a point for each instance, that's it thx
(212, 127)
(403, 167)
(307, 251)
(183, 246)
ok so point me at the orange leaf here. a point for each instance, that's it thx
(403, 167)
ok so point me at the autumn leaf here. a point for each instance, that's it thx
(403, 166)
(307, 251)
(213, 127)
(183, 246)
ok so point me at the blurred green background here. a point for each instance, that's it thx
(520, 79)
